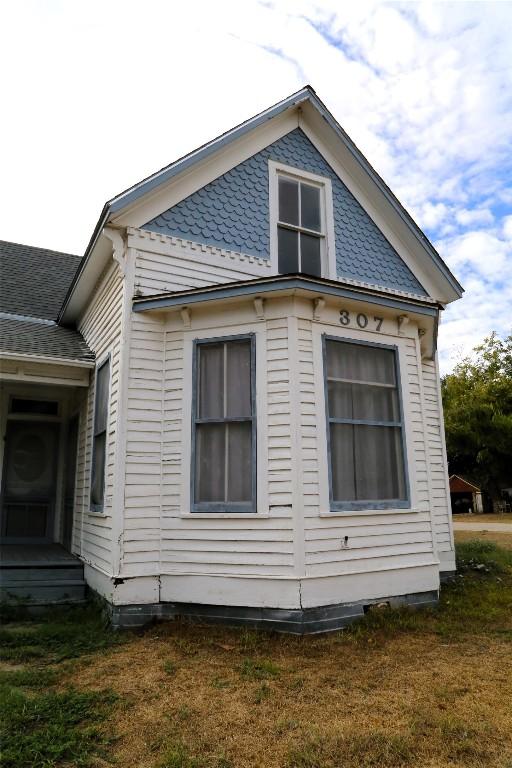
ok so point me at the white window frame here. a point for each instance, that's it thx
(327, 245)
(247, 507)
(99, 509)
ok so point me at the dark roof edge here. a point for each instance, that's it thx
(280, 283)
(92, 242)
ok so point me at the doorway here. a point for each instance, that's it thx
(29, 482)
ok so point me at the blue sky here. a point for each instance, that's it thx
(99, 94)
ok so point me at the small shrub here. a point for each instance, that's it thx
(169, 667)
(261, 693)
(259, 669)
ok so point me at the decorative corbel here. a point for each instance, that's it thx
(118, 246)
(259, 307)
(186, 317)
(422, 332)
(318, 305)
(402, 321)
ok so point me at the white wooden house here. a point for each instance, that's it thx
(234, 411)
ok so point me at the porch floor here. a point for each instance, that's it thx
(35, 555)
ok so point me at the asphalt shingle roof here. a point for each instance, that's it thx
(33, 285)
(29, 338)
(34, 281)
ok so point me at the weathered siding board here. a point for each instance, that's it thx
(441, 513)
(101, 328)
(143, 466)
(279, 416)
(156, 273)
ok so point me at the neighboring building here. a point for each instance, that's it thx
(465, 496)
(240, 396)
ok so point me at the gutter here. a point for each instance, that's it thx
(26, 358)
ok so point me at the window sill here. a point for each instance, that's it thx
(224, 515)
(97, 513)
(367, 512)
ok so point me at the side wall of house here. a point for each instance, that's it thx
(436, 449)
(100, 326)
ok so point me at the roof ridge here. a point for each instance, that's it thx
(39, 248)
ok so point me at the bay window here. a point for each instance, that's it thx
(365, 426)
(224, 426)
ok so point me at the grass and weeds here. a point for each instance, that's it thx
(57, 636)
(45, 720)
(505, 517)
(400, 688)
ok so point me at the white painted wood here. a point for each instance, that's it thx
(100, 326)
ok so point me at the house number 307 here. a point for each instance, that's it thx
(362, 320)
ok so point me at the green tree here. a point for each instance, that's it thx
(477, 401)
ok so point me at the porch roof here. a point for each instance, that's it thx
(43, 338)
(33, 284)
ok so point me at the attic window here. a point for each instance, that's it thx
(301, 221)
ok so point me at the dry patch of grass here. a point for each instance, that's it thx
(490, 518)
(429, 689)
(503, 540)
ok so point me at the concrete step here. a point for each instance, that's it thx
(45, 593)
(46, 584)
(41, 573)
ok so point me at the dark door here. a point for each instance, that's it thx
(69, 483)
(28, 496)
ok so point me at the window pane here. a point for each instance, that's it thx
(288, 201)
(239, 461)
(375, 403)
(101, 398)
(288, 250)
(98, 469)
(211, 381)
(362, 401)
(310, 207)
(340, 400)
(342, 462)
(210, 462)
(310, 255)
(379, 463)
(360, 363)
(238, 381)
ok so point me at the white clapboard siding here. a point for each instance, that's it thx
(156, 273)
(143, 463)
(222, 545)
(441, 512)
(374, 541)
(280, 482)
(100, 326)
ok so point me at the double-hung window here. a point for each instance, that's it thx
(224, 426)
(300, 227)
(99, 446)
(365, 426)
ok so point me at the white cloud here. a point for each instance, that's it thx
(467, 217)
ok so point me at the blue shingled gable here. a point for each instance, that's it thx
(233, 212)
